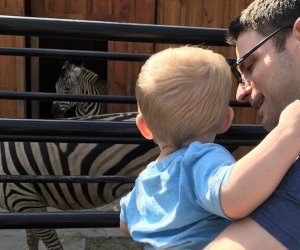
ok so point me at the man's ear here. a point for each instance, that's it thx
(227, 121)
(296, 29)
(143, 127)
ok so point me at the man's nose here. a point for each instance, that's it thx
(243, 91)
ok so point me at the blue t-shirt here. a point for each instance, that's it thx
(280, 213)
(175, 202)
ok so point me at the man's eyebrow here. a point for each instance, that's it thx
(241, 66)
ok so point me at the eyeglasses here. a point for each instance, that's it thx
(234, 69)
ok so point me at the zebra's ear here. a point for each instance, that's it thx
(143, 127)
(66, 63)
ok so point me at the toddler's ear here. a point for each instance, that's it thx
(227, 122)
(143, 127)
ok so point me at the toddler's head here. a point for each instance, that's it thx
(183, 94)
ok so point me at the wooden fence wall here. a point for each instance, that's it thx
(121, 75)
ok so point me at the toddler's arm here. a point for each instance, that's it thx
(255, 176)
(124, 229)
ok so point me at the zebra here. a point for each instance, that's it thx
(50, 158)
(74, 79)
(47, 158)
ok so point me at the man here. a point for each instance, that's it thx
(267, 39)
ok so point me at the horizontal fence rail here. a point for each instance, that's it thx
(79, 54)
(104, 131)
(83, 219)
(76, 54)
(65, 179)
(82, 29)
(43, 96)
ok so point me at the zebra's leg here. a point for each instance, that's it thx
(32, 240)
(25, 198)
(48, 236)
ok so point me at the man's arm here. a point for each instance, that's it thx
(245, 234)
(255, 176)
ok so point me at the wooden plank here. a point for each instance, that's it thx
(168, 12)
(12, 70)
(213, 13)
(12, 4)
(53, 6)
(70, 9)
(35, 81)
(11, 12)
(38, 8)
(12, 79)
(192, 13)
(122, 75)
(20, 78)
(102, 8)
(76, 6)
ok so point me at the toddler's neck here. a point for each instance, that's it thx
(165, 151)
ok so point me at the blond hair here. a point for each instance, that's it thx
(183, 94)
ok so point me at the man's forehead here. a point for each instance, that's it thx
(246, 41)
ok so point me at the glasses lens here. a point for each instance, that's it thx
(237, 75)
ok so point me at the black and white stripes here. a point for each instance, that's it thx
(75, 79)
(45, 158)
(70, 159)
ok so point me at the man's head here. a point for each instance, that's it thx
(183, 94)
(270, 74)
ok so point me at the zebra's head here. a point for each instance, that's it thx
(74, 79)
(68, 78)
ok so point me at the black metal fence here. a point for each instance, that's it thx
(92, 131)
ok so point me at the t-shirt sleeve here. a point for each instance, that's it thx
(280, 214)
(211, 172)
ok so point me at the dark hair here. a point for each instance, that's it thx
(266, 16)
